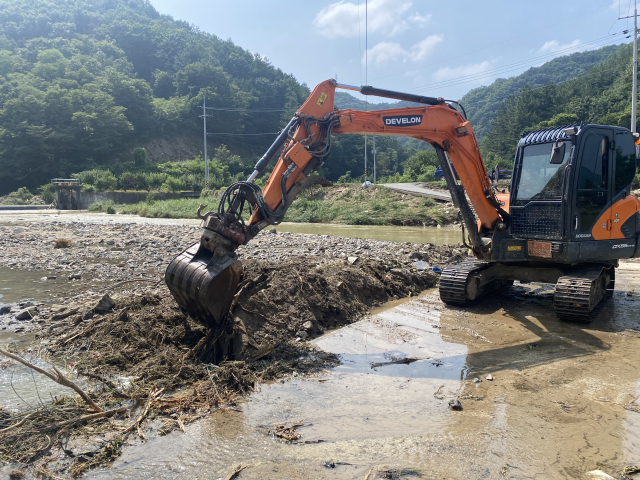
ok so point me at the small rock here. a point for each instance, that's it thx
(5, 309)
(111, 242)
(309, 326)
(455, 404)
(599, 475)
(490, 377)
(302, 334)
(352, 260)
(273, 230)
(27, 313)
(75, 276)
(421, 265)
(105, 305)
(16, 474)
(476, 380)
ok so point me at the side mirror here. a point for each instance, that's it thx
(557, 152)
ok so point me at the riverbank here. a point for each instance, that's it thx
(347, 204)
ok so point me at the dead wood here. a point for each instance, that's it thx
(93, 416)
(56, 377)
(234, 470)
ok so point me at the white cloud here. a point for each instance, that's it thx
(553, 46)
(384, 53)
(419, 19)
(424, 48)
(448, 73)
(385, 16)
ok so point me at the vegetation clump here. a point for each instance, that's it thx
(63, 243)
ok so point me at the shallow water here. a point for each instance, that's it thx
(437, 236)
(553, 410)
(21, 387)
(17, 285)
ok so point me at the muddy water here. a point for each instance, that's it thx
(17, 285)
(437, 236)
(553, 410)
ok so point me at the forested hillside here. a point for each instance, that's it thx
(600, 95)
(82, 83)
(482, 103)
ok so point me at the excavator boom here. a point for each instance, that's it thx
(203, 279)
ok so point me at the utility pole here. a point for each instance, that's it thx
(374, 160)
(366, 66)
(206, 160)
(634, 92)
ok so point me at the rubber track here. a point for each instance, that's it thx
(576, 296)
(453, 281)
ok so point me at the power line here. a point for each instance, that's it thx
(267, 110)
(242, 134)
(507, 68)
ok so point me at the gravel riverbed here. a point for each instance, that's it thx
(102, 256)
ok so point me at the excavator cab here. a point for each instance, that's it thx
(571, 217)
(570, 191)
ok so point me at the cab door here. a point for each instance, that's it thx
(592, 197)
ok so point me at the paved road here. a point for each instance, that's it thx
(415, 189)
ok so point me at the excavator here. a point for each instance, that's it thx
(567, 218)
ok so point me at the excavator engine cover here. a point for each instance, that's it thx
(204, 284)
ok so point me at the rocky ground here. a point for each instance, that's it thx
(94, 257)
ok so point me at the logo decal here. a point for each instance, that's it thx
(402, 120)
(321, 99)
(583, 235)
(623, 245)
(514, 248)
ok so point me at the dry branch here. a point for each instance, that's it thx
(93, 416)
(19, 424)
(136, 425)
(57, 377)
(234, 470)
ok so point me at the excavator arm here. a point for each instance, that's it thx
(203, 279)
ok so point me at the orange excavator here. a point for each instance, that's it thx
(568, 218)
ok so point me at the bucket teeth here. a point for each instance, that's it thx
(204, 285)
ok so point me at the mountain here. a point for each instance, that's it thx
(84, 82)
(601, 95)
(483, 103)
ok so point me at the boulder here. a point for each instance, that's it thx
(104, 305)
(27, 313)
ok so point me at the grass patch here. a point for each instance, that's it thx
(353, 205)
(341, 204)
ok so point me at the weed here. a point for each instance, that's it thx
(63, 243)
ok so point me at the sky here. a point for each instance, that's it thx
(422, 47)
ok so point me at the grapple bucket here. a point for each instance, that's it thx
(203, 284)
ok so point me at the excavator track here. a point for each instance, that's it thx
(577, 295)
(454, 282)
